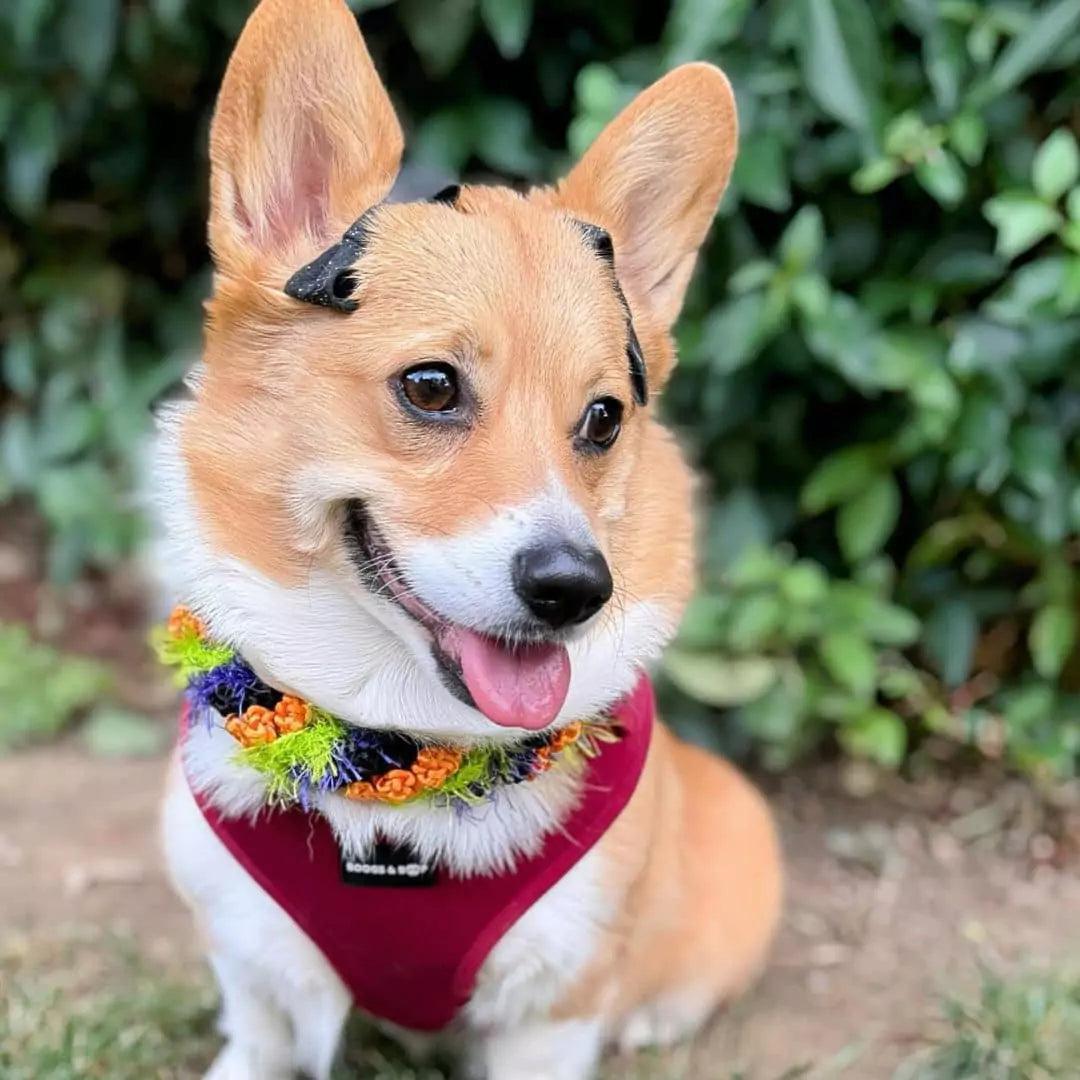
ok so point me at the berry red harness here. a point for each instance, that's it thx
(410, 954)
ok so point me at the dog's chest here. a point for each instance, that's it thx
(546, 951)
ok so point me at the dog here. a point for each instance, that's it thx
(419, 487)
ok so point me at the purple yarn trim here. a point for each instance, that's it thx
(226, 689)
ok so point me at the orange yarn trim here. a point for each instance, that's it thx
(183, 621)
(258, 725)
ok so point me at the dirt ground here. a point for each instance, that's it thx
(887, 907)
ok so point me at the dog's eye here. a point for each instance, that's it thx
(431, 387)
(601, 424)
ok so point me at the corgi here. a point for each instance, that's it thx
(419, 487)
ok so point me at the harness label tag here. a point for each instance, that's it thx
(394, 866)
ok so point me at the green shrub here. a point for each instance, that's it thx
(42, 689)
(878, 359)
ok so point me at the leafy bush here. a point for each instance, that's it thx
(876, 371)
(42, 689)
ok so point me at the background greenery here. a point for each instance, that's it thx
(879, 358)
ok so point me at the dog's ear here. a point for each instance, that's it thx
(653, 179)
(304, 138)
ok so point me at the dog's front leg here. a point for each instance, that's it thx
(258, 1042)
(544, 1050)
(283, 1007)
(271, 1040)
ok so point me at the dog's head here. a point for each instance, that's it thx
(420, 480)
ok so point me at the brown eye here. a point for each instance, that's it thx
(431, 387)
(601, 424)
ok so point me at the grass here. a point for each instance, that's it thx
(1021, 1029)
(85, 1009)
(90, 1007)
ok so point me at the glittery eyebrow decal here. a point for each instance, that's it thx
(329, 279)
(447, 195)
(600, 241)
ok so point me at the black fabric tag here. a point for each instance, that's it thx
(389, 866)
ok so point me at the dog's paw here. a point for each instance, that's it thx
(236, 1062)
(667, 1020)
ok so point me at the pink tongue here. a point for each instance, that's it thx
(524, 687)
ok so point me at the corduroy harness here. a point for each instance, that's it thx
(410, 954)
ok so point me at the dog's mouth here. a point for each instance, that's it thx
(514, 684)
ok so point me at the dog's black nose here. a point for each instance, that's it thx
(562, 584)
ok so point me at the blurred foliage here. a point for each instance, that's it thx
(42, 689)
(879, 371)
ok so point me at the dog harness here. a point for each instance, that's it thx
(405, 938)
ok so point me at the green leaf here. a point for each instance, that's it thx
(890, 624)
(598, 91)
(508, 23)
(1021, 221)
(841, 476)
(945, 60)
(805, 583)
(438, 32)
(876, 174)
(719, 681)
(751, 276)
(877, 734)
(87, 35)
(33, 146)
(754, 621)
(1038, 457)
(696, 28)
(503, 136)
(761, 175)
(867, 521)
(1057, 165)
(941, 175)
(841, 59)
(949, 637)
(19, 454)
(1051, 639)
(803, 239)
(19, 364)
(1029, 51)
(702, 626)
(27, 20)
(968, 134)
(776, 716)
(1072, 204)
(850, 659)
(734, 333)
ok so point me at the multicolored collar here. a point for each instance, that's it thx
(300, 748)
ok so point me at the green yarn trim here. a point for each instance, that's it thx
(311, 749)
(189, 653)
(481, 765)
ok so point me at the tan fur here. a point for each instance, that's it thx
(695, 857)
(296, 411)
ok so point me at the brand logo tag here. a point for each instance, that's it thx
(389, 866)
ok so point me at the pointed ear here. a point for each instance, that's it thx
(304, 138)
(653, 179)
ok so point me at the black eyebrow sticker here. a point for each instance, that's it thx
(448, 195)
(329, 279)
(600, 241)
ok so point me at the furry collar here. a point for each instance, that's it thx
(300, 748)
